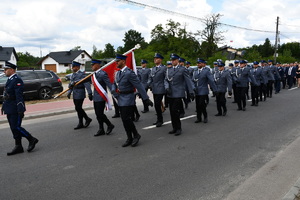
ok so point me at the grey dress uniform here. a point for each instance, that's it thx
(272, 77)
(266, 73)
(255, 88)
(176, 79)
(143, 75)
(223, 82)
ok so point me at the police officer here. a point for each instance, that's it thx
(274, 75)
(278, 80)
(156, 83)
(143, 75)
(14, 108)
(123, 89)
(256, 72)
(79, 94)
(223, 81)
(176, 78)
(266, 73)
(202, 77)
(99, 102)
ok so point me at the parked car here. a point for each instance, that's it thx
(1, 71)
(41, 84)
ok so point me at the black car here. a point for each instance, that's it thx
(41, 84)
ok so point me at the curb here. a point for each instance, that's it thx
(34, 116)
(294, 191)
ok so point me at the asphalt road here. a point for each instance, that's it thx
(208, 161)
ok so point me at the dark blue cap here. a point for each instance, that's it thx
(200, 60)
(169, 62)
(255, 63)
(9, 65)
(215, 63)
(230, 64)
(174, 56)
(278, 62)
(219, 60)
(263, 61)
(243, 61)
(187, 62)
(144, 61)
(74, 63)
(236, 61)
(95, 61)
(181, 60)
(221, 64)
(157, 55)
(246, 61)
(120, 57)
(270, 61)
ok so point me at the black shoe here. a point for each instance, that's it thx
(186, 106)
(198, 120)
(145, 111)
(252, 104)
(234, 102)
(32, 144)
(135, 141)
(256, 104)
(109, 129)
(178, 132)
(172, 131)
(100, 132)
(219, 114)
(155, 123)
(137, 118)
(79, 126)
(270, 96)
(17, 149)
(182, 115)
(244, 109)
(205, 120)
(159, 124)
(87, 122)
(127, 143)
(115, 116)
(224, 113)
(239, 109)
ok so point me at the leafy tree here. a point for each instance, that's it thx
(77, 48)
(286, 56)
(96, 53)
(131, 39)
(266, 50)
(26, 60)
(109, 51)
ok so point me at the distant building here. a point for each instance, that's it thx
(8, 54)
(61, 61)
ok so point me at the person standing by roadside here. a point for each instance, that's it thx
(14, 108)
(79, 94)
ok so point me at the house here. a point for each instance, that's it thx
(8, 54)
(61, 61)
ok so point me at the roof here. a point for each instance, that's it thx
(64, 57)
(5, 53)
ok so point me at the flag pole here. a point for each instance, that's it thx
(88, 76)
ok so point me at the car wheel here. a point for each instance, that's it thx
(45, 93)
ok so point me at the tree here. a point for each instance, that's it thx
(109, 51)
(26, 60)
(131, 39)
(211, 35)
(77, 48)
(96, 53)
(266, 50)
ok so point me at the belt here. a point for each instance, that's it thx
(126, 92)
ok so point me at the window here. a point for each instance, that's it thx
(82, 55)
(27, 75)
(43, 75)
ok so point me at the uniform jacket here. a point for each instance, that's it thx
(274, 72)
(157, 78)
(79, 90)
(201, 81)
(223, 81)
(242, 77)
(281, 72)
(13, 96)
(177, 78)
(103, 80)
(257, 75)
(266, 73)
(143, 75)
(125, 84)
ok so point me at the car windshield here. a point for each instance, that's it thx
(3, 78)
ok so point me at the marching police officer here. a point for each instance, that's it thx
(266, 73)
(123, 89)
(223, 81)
(156, 83)
(79, 94)
(202, 77)
(101, 83)
(143, 75)
(176, 78)
(14, 108)
(256, 72)
(274, 75)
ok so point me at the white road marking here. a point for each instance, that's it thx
(169, 122)
(293, 88)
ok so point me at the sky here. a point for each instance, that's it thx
(43, 26)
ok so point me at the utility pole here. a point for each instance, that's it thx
(276, 40)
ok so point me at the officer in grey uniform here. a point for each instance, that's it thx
(256, 72)
(14, 108)
(126, 82)
(233, 75)
(176, 79)
(156, 83)
(274, 75)
(223, 82)
(79, 94)
(143, 75)
(266, 73)
(99, 103)
(202, 77)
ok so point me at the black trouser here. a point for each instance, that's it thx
(126, 116)
(247, 92)
(263, 91)
(175, 112)
(221, 102)
(181, 106)
(18, 132)
(101, 117)
(241, 96)
(201, 106)
(270, 88)
(157, 105)
(234, 92)
(166, 101)
(80, 112)
(254, 93)
(135, 113)
(290, 81)
(117, 110)
(277, 86)
(283, 82)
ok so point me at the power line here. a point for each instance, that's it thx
(187, 16)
